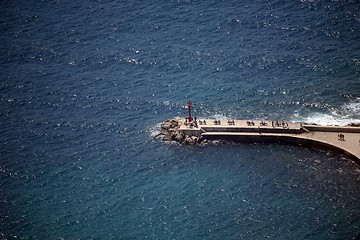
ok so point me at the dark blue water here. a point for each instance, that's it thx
(84, 85)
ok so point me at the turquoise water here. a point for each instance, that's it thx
(84, 86)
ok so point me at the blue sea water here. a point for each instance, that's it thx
(85, 84)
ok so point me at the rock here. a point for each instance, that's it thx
(178, 119)
(174, 124)
(157, 135)
(168, 137)
(166, 125)
(169, 131)
(179, 137)
(163, 131)
(199, 140)
(189, 140)
(204, 142)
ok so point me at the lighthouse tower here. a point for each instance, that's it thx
(189, 104)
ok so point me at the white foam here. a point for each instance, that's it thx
(352, 108)
(327, 119)
(154, 130)
(346, 114)
(219, 116)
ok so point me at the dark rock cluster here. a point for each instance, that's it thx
(169, 131)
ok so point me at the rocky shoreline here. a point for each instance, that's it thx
(169, 131)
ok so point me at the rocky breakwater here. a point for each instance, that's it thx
(169, 131)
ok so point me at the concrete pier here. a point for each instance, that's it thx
(345, 139)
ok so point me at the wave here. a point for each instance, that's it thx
(346, 114)
(219, 116)
(154, 130)
(327, 119)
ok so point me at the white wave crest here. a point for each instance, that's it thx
(327, 119)
(219, 116)
(352, 108)
(154, 130)
(345, 115)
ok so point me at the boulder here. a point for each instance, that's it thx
(174, 124)
(199, 140)
(168, 137)
(204, 141)
(189, 140)
(178, 119)
(179, 137)
(166, 125)
(169, 130)
(163, 131)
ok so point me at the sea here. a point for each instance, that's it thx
(84, 86)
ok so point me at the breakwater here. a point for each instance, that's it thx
(345, 139)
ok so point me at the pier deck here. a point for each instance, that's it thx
(346, 139)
